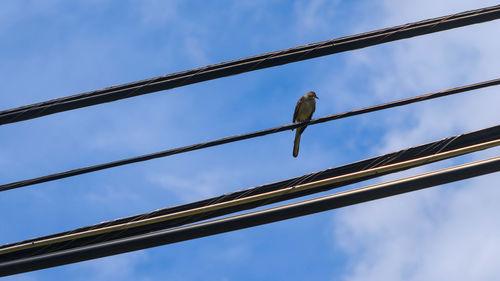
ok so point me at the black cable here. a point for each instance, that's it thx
(252, 219)
(165, 153)
(443, 145)
(224, 69)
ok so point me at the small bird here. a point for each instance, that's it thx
(303, 112)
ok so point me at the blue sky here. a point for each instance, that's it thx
(55, 48)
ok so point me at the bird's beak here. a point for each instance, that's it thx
(317, 98)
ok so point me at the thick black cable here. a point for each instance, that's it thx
(252, 219)
(443, 145)
(224, 69)
(165, 153)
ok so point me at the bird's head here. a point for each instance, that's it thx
(311, 95)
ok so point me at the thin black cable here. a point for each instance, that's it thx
(224, 69)
(165, 153)
(444, 145)
(252, 219)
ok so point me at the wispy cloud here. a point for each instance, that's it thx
(199, 186)
(442, 233)
(315, 17)
(446, 232)
(121, 267)
(157, 11)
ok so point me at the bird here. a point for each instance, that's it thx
(303, 112)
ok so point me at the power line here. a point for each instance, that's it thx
(165, 153)
(250, 198)
(252, 219)
(224, 69)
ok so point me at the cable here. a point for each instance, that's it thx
(165, 153)
(224, 69)
(252, 219)
(293, 189)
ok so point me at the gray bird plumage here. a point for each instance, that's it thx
(303, 112)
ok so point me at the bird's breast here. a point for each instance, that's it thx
(306, 109)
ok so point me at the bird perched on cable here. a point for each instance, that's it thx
(303, 112)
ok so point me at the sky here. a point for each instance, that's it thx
(56, 48)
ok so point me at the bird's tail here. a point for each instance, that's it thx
(296, 142)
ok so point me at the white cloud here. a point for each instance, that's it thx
(197, 186)
(157, 11)
(315, 19)
(446, 233)
(120, 267)
(195, 50)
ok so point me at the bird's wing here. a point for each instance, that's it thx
(312, 111)
(297, 108)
